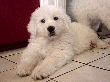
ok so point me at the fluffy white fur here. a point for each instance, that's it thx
(44, 54)
(90, 12)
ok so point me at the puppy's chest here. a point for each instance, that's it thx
(46, 50)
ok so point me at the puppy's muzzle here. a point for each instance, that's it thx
(51, 30)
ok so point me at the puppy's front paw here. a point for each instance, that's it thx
(23, 71)
(41, 72)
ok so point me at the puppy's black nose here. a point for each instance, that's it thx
(51, 28)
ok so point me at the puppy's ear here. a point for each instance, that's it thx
(67, 20)
(32, 28)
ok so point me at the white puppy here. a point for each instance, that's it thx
(90, 12)
(54, 41)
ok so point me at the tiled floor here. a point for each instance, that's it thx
(91, 66)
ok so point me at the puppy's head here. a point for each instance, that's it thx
(49, 22)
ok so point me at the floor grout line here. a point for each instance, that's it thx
(9, 60)
(11, 54)
(7, 70)
(84, 64)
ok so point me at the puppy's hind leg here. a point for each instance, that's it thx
(28, 61)
(101, 44)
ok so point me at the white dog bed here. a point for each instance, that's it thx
(91, 66)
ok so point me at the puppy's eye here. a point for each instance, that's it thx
(43, 21)
(55, 18)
